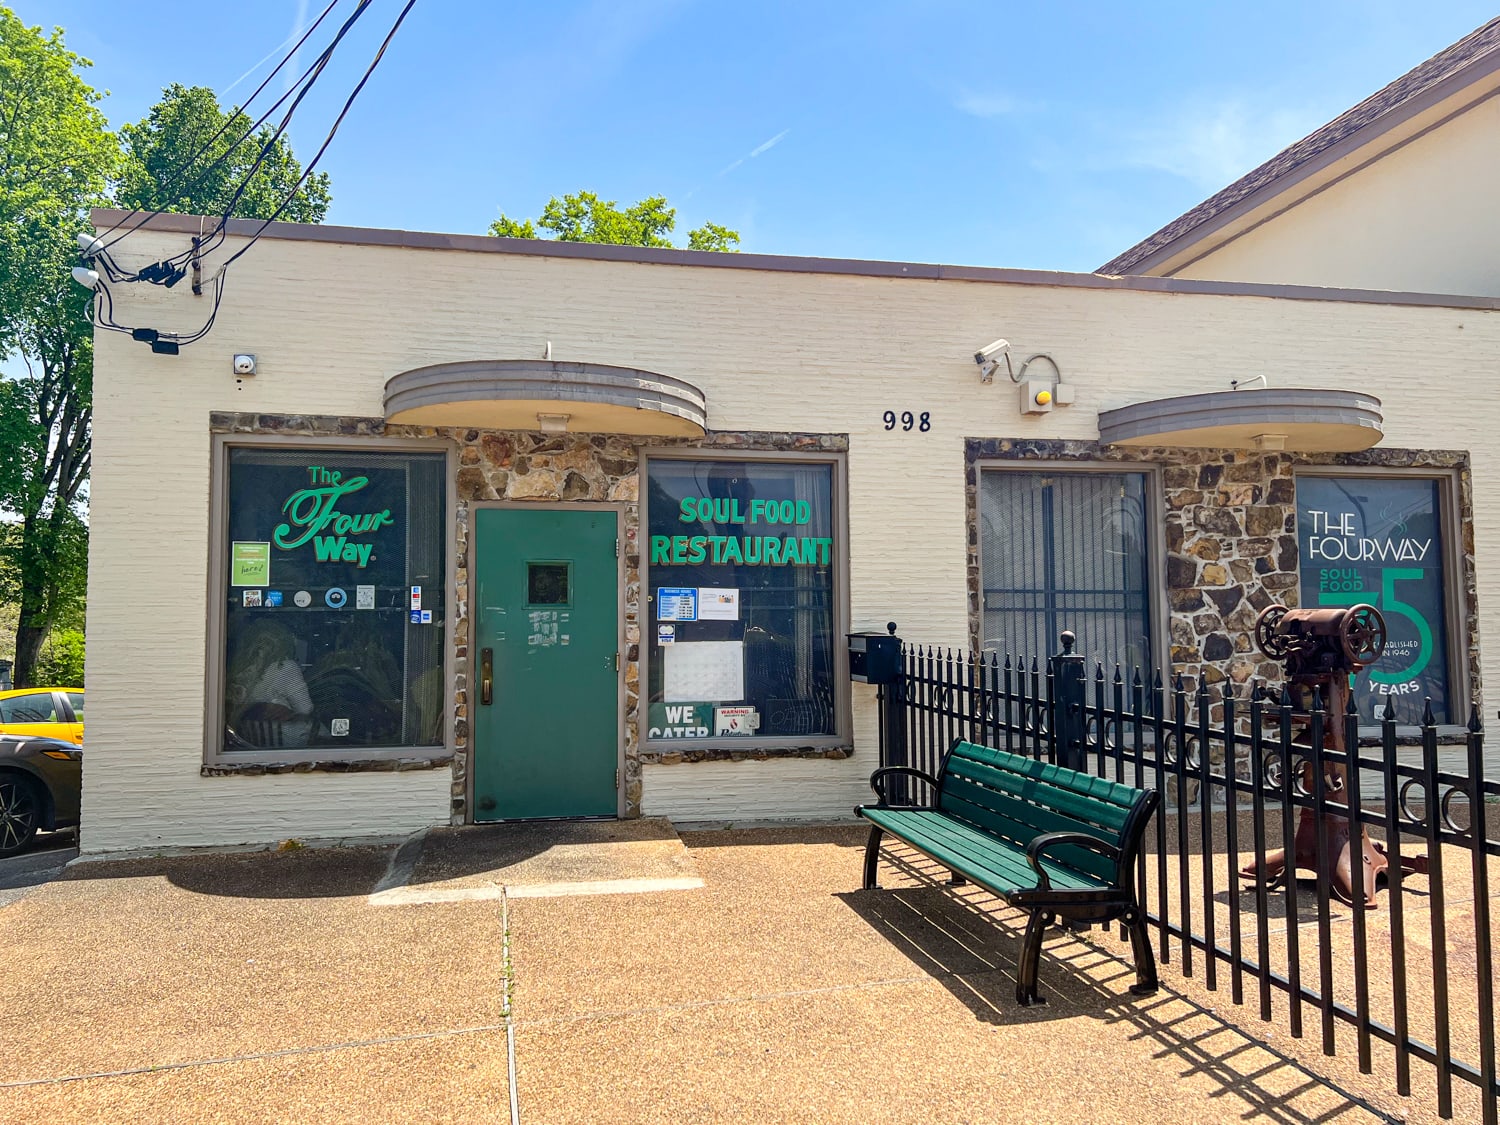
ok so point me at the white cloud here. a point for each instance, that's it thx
(986, 105)
(1212, 145)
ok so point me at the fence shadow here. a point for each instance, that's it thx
(968, 941)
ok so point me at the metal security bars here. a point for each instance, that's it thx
(1242, 776)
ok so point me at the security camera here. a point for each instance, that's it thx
(987, 353)
(988, 358)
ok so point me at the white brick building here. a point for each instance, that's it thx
(259, 666)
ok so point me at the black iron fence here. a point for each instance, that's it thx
(1244, 775)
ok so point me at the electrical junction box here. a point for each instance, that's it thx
(1036, 396)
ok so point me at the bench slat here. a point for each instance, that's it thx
(1035, 809)
(1020, 831)
(1100, 788)
(1010, 859)
(1102, 802)
(976, 856)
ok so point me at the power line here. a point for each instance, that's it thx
(101, 310)
(313, 163)
(215, 236)
(229, 118)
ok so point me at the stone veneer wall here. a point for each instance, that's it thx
(1230, 527)
(531, 466)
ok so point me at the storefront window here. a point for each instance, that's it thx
(1066, 550)
(742, 575)
(1379, 541)
(335, 606)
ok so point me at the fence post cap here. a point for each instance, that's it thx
(1069, 639)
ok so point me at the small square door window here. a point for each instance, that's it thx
(547, 583)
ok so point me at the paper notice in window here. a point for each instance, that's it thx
(676, 603)
(703, 670)
(718, 605)
(249, 564)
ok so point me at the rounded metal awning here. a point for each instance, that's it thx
(1295, 419)
(534, 394)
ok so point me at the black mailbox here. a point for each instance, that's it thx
(874, 658)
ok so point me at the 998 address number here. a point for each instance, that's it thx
(908, 421)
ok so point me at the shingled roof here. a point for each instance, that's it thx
(1479, 52)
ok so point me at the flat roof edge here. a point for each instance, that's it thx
(109, 219)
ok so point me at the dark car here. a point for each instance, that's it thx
(40, 783)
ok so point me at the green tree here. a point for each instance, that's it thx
(61, 660)
(585, 217)
(56, 157)
(160, 174)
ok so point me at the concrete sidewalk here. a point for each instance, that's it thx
(272, 987)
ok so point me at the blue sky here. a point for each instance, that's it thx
(1047, 136)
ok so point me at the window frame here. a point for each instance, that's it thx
(1450, 523)
(214, 753)
(843, 736)
(1158, 610)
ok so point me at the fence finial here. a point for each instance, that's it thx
(1069, 639)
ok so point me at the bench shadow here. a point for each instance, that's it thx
(968, 941)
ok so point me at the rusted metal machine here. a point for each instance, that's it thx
(1321, 650)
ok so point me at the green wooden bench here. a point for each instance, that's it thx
(1054, 841)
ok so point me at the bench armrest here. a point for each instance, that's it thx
(877, 779)
(1046, 840)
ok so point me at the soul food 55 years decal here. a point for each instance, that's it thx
(1364, 539)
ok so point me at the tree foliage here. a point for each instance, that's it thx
(585, 217)
(61, 660)
(160, 147)
(56, 158)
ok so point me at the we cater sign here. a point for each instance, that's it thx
(316, 515)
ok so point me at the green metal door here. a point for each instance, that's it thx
(547, 727)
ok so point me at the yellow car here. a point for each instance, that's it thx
(51, 712)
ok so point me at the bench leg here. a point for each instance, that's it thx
(1031, 956)
(872, 857)
(957, 880)
(1145, 960)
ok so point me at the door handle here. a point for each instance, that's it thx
(486, 676)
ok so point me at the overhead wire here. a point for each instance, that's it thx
(187, 165)
(171, 269)
(220, 230)
(313, 163)
(215, 236)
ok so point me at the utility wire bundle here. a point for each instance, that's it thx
(95, 250)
